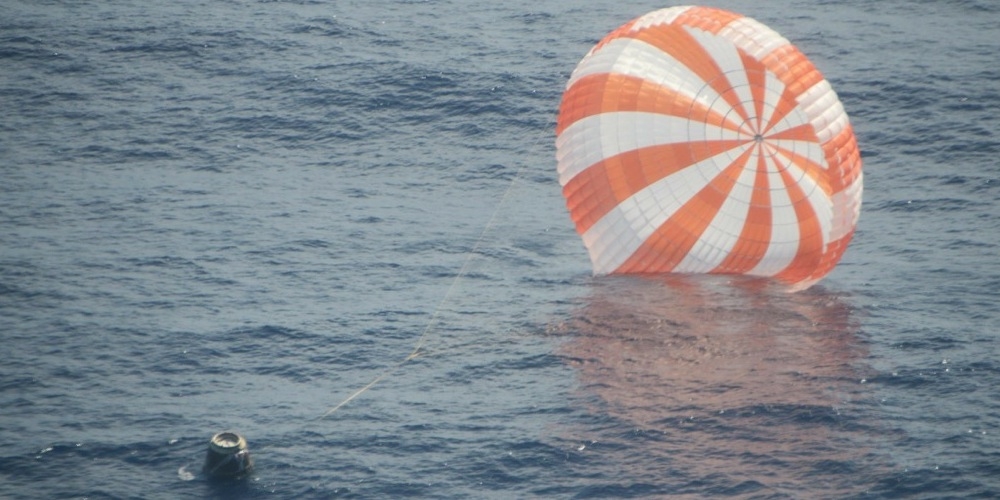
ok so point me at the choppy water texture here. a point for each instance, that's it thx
(232, 215)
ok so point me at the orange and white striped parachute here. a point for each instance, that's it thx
(696, 140)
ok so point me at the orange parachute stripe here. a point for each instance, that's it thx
(680, 44)
(793, 69)
(616, 92)
(810, 235)
(597, 190)
(707, 18)
(673, 240)
(752, 243)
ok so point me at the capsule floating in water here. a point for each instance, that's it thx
(228, 456)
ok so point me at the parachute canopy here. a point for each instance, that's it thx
(696, 140)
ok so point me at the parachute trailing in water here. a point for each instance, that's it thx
(696, 140)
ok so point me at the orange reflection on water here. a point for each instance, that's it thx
(728, 379)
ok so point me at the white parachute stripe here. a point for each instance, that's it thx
(848, 203)
(821, 203)
(784, 242)
(725, 55)
(744, 93)
(772, 96)
(617, 235)
(636, 58)
(824, 111)
(723, 232)
(791, 120)
(808, 149)
(753, 37)
(662, 16)
(596, 137)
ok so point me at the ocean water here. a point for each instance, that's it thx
(234, 215)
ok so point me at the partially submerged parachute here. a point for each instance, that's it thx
(696, 140)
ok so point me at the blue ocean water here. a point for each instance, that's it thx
(233, 215)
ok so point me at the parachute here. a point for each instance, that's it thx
(696, 140)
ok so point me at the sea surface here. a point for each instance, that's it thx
(233, 215)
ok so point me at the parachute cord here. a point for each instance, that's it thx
(447, 296)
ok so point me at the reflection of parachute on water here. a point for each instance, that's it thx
(726, 384)
(711, 344)
(695, 140)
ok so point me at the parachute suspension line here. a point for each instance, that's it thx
(432, 322)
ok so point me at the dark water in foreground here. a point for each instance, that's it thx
(232, 215)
